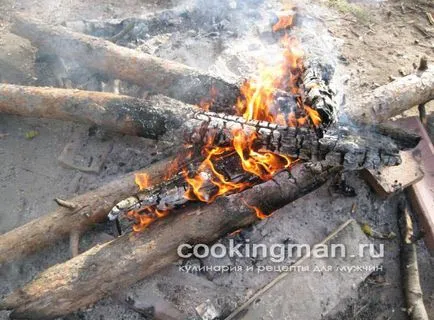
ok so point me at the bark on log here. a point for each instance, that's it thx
(149, 118)
(411, 282)
(394, 98)
(69, 286)
(91, 208)
(154, 74)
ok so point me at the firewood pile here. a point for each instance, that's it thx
(242, 147)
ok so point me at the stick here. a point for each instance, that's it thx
(132, 257)
(412, 289)
(154, 74)
(92, 208)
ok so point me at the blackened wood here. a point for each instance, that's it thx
(152, 73)
(130, 258)
(318, 94)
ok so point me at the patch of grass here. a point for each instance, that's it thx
(343, 6)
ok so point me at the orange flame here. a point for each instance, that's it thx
(209, 176)
(256, 102)
(206, 103)
(262, 163)
(285, 21)
(142, 180)
(259, 213)
(145, 216)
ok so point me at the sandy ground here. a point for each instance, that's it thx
(381, 43)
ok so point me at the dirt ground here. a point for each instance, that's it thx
(380, 41)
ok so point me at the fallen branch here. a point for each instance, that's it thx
(90, 208)
(130, 258)
(152, 73)
(411, 282)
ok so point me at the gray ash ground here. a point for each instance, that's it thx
(31, 176)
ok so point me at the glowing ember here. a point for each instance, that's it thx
(206, 103)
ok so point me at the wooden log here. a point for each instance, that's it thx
(67, 287)
(409, 266)
(159, 117)
(91, 208)
(155, 23)
(150, 118)
(316, 88)
(152, 73)
(394, 98)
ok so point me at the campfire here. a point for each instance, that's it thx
(240, 149)
(276, 96)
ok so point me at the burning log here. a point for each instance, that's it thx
(90, 208)
(159, 117)
(316, 79)
(394, 98)
(132, 257)
(154, 74)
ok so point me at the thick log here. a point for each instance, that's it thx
(394, 98)
(90, 208)
(67, 287)
(152, 73)
(149, 118)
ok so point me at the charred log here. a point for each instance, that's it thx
(132, 257)
(154, 74)
(155, 117)
(318, 94)
(166, 21)
(403, 139)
